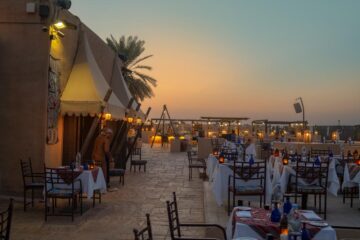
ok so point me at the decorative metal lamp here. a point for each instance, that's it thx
(215, 152)
(221, 158)
(285, 159)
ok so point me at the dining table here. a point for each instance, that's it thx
(256, 223)
(281, 174)
(91, 179)
(219, 173)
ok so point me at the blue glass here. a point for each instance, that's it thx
(85, 166)
(317, 160)
(251, 160)
(275, 214)
(305, 235)
(287, 206)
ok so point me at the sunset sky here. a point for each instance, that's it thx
(243, 58)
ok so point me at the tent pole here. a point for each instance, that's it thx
(94, 124)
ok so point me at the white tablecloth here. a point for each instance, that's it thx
(88, 183)
(243, 230)
(282, 177)
(220, 180)
(210, 166)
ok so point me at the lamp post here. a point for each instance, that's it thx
(300, 108)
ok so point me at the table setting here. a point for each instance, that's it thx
(290, 223)
(91, 177)
(219, 174)
(282, 169)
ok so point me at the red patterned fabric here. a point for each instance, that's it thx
(260, 222)
(67, 175)
(353, 170)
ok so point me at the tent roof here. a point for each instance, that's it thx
(86, 88)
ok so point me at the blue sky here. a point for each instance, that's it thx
(243, 58)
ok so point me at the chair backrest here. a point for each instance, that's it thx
(98, 163)
(5, 221)
(246, 171)
(173, 217)
(146, 233)
(230, 154)
(311, 171)
(189, 156)
(135, 152)
(215, 143)
(60, 178)
(26, 170)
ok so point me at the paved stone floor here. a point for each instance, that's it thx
(124, 209)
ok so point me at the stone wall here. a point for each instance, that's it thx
(24, 62)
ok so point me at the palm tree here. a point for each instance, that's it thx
(129, 50)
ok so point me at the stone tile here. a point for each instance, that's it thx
(124, 209)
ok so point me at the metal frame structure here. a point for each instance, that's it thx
(162, 120)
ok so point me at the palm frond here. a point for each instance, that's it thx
(140, 60)
(147, 79)
(143, 67)
(139, 84)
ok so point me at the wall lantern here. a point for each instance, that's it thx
(107, 116)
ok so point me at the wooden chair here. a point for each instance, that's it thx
(118, 172)
(62, 184)
(349, 192)
(316, 174)
(195, 163)
(175, 225)
(135, 159)
(31, 181)
(5, 221)
(254, 173)
(145, 233)
(97, 193)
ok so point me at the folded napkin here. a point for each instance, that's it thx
(243, 214)
(310, 215)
